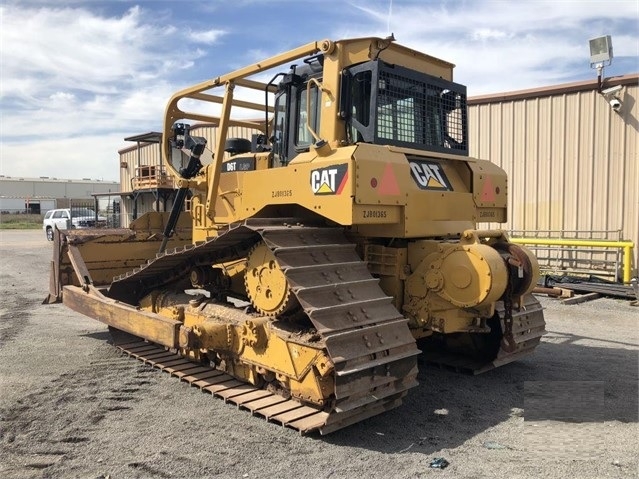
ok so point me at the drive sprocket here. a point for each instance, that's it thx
(266, 284)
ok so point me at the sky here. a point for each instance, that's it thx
(77, 76)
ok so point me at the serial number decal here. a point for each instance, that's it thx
(374, 213)
(487, 214)
(429, 176)
(281, 193)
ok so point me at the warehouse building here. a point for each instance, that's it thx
(572, 158)
(570, 152)
(38, 195)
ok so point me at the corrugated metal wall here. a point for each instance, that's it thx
(572, 161)
(54, 188)
(131, 158)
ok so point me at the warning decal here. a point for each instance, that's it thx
(388, 184)
(329, 181)
(429, 176)
(488, 192)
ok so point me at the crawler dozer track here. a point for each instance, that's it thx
(367, 340)
(260, 402)
(528, 329)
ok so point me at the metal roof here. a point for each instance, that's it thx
(46, 179)
(150, 137)
(564, 88)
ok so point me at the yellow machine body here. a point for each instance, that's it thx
(312, 259)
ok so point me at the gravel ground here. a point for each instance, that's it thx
(71, 406)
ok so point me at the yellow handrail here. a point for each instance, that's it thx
(625, 245)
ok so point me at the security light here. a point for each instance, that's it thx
(600, 56)
(600, 51)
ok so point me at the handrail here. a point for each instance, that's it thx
(151, 176)
(625, 245)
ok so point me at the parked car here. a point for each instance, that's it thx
(70, 218)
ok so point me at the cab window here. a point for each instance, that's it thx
(279, 128)
(303, 137)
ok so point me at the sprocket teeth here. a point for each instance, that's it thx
(266, 284)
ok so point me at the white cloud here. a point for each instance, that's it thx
(61, 97)
(74, 82)
(207, 37)
(488, 34)
(70, 48)
(86, 156)
(504, 46)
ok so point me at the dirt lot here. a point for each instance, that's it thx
(71, 406)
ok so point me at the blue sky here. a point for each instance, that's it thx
(78, 76)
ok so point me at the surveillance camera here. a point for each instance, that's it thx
(611, 91)
(615, 103)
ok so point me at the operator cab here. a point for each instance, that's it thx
(297, 108)
(380, 103)
(387, 104)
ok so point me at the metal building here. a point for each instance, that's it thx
(571, 158)
(38, 195)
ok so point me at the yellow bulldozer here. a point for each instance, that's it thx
(301, 272)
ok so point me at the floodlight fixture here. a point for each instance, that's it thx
(600, 56)
(600, 51)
